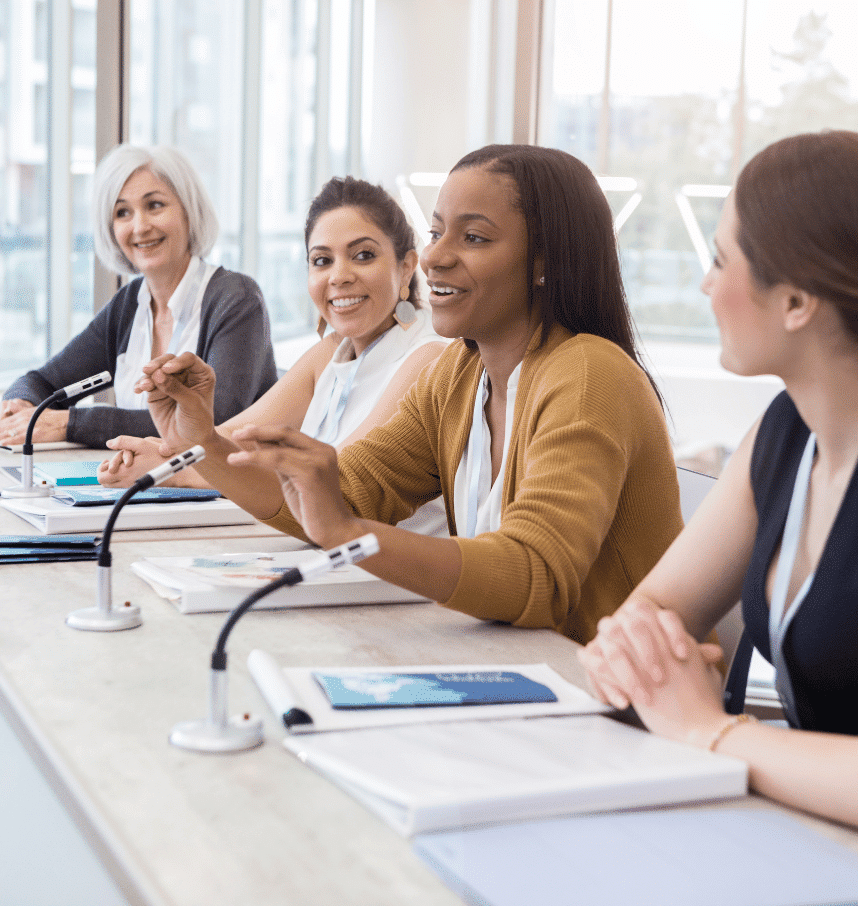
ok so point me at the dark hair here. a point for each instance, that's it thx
(571, 229)
(797, 208)
(378, 205)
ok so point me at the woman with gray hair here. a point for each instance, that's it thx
(153, 217)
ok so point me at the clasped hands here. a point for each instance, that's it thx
(643, 656)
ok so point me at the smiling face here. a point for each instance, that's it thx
(354, 277)
(151, 226)
(476, 260)
(747, 314)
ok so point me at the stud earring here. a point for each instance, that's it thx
(541, 281)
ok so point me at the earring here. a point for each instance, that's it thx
(541, 281)
(321, 327)
(404, 314)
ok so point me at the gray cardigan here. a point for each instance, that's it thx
(235, 339)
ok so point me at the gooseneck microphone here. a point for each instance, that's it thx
(103, 618)
(79, 389)
(217, 733)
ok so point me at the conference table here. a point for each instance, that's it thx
(172, 827)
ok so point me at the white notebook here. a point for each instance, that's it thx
(219, 582)
(440, 776)
(51, 517)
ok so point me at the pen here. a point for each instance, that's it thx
(275, 690)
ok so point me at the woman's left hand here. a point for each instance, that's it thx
(687, 705)
(309, 477)
(52, 425)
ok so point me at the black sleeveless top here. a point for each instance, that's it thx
(821, 644)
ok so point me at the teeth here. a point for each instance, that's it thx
(443, 290)
(345, 303)
(147, 245)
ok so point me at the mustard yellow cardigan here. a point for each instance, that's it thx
(590, 493)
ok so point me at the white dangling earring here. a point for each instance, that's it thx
(542, 281)
(404, 314)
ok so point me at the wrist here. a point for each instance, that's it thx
(713, 734)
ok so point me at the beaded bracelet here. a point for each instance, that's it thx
(731, 724)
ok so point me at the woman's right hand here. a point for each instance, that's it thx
(181, 400)
(135, 456)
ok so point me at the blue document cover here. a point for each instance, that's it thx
(68, 472)
(421, 690)
(100, 496)
(47, 549)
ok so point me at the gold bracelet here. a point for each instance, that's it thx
(731, 724)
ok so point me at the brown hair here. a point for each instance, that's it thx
(797, 208)
(378, 205)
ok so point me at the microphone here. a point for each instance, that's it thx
(217, 733)
(103, 618)
(79, 389)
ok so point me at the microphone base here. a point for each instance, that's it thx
(37, 490)
(94, 619)
(237, 735)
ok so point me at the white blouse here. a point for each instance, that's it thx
(348, 389)
(474, 475)
(185, 305)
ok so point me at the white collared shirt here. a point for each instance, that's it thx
(185, 305)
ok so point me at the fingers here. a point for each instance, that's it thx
(10, 407)
(633, 650)
(600, 678)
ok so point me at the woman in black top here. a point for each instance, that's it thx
(780, 528)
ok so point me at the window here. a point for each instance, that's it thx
(259, 96)
(47, 116)
(670, 114)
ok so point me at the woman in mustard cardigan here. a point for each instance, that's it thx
(539, 426)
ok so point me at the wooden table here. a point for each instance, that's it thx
(180, 828)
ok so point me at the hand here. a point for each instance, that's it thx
(629, 658)
(308, 475)
(687, 705)
(10, 407)
(181, 400)
(135, 457)
(52, 425)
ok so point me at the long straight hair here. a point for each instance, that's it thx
(570, 228)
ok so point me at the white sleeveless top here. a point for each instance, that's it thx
(332, 419)
(185, 305)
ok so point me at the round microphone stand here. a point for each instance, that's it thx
(217, 732)
(27, 488)
(103, 618)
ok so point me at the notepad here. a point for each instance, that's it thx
(423, 690)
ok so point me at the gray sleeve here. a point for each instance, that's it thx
(93, 350)
(235, 339)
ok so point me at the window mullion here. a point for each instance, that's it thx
(59, 174)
